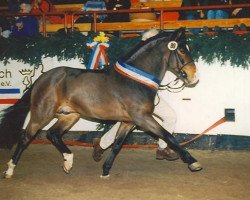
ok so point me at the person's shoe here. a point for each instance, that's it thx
(217, 28)
(236, 28)
(243, 27)
(206, 29)
(167, 154)
(98, 151)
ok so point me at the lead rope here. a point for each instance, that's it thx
(217, 123)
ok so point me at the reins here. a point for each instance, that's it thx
(169, 88)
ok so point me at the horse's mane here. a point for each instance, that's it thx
(144, 45)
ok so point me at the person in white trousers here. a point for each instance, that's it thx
(164, 115)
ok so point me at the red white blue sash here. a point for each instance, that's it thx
(137, 75)
(98, 56)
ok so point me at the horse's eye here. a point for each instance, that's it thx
(182, 51)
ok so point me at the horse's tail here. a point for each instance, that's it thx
(12, 120)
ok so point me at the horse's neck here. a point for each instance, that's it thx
(150, 62)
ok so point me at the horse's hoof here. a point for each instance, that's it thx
(105, 177)
(5, 175)
(66, 170)
(10, 171)
(195, 167)
(68, 162)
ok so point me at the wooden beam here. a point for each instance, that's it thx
(223, 23)
(127, 26)
(152, 4)
(83, 27)
(69, 7)
(157, 4)
(52, 28)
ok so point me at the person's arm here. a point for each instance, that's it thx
(126, 4)
(29, 27)
(185, 3)
(110, 4)
(236, 11)
(203, 13)
(45, 7)
(118, 5)
(35, 5)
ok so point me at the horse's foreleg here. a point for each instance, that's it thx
(55, 133)
(124, 129)
(148, 123)
(193, 165)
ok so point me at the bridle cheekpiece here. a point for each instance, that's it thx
(173, 46)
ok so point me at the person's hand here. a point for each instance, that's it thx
(202, 15)
(36, 4)
(19, 25)
(117, 6)
(236, 11)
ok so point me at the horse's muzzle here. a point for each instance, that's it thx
(191, 85)
(193, 80)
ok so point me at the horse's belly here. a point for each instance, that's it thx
(106, 112)
(99, 108)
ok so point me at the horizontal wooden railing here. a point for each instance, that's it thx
(131, 26)
(78, 7)
(167, 25)
(171, 24)
(159, 24)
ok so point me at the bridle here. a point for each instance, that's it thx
(173, 47)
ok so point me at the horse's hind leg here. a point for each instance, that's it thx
(26, 138)
(55, 133)
(122, 132)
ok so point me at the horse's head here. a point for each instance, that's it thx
(148, 62)
(179, 60)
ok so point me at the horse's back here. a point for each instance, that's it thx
(69, 74)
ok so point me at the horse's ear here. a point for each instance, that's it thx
(180, 33)
(149, 34)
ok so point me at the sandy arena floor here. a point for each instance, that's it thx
(136, 175)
